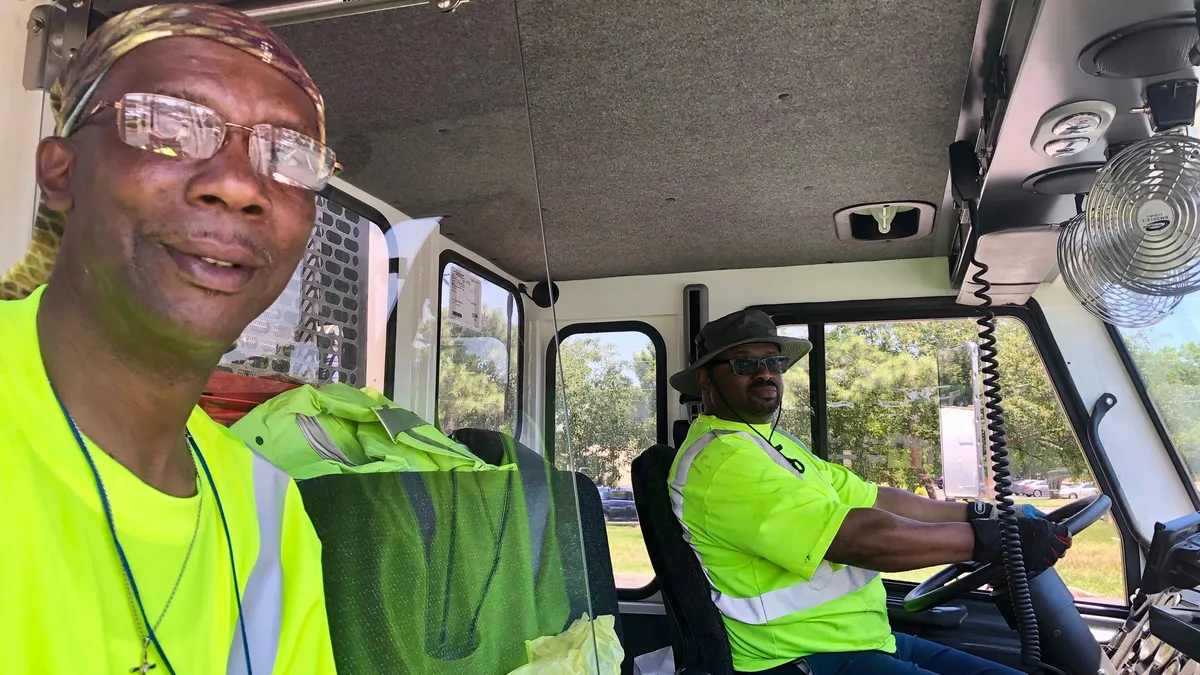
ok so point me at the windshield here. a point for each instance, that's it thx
(1168, 357)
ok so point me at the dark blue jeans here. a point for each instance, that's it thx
(913, 656)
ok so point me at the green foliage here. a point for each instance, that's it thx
(477, 387)
(1172, 374)
(611, 406)
(882, 382)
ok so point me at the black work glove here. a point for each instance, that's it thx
(1043, 543)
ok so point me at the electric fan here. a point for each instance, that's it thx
(1144, 215)
(1134, 251)
(1099, 294)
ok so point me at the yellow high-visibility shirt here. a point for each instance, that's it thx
(64, 607)
(761, 530)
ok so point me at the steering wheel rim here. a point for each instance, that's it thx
(955, 581)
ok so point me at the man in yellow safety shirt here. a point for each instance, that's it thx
(177, 196)
(792, 545)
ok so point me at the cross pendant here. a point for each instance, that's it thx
(146, 665)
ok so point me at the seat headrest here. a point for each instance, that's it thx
(498, 448)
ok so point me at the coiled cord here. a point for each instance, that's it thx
(1014, 560)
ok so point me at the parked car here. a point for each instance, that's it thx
(1037, 488)
(1077, 490)
(1018, 487)
(618, 504)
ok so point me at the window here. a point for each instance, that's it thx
(796, 415)
(479, 353)
(1167, 356)
(899, 410)
(615, 377)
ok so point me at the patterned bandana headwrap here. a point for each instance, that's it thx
(71, 96)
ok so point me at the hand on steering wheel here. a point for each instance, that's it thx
(955, 581)
(1043, 542)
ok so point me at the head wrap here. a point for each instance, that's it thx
(71, 96)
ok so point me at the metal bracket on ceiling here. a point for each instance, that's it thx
(451, 5)
(54, 32)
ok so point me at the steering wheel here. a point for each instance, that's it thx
(955, 581)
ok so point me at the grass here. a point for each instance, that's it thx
(631, 565)
(1092, 568)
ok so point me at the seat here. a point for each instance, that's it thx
(498, 448)
(698, 635)
(679, 432)
(417, 581)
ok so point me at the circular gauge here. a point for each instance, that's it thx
(1065, 147)
(1077, 124)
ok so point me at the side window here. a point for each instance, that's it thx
(479, 353)
(797, 394)
(1167, 357)
(614, 389)
(894, 422)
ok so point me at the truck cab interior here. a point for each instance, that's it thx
(964, 206)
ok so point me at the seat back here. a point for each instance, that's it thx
(498, 448)
(441, 573)
(698, 634)
(601, 583)
(679, 432)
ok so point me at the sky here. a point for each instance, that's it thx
(1182, 326)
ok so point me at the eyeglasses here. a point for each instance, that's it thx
(170, 126)
(747, 366)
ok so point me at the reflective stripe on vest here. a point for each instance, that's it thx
(262, 601)
(826, 583)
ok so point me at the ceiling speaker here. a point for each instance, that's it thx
(1144, 49)
(1075, 179)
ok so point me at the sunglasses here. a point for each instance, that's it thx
(170, 126)
(746, 366)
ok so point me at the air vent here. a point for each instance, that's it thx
(885, 221)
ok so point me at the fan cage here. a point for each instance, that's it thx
(1143, 218)
(1100, 293)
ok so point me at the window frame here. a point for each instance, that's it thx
(660, 400)
(452, 257)
(1160, 426)
(816, 315)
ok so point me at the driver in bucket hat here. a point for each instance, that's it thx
(792, 546)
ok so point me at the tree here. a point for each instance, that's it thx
(1172, 375)
(883, 404)
(611, 408)
(477, 375)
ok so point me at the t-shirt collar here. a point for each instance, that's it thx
(714, 422)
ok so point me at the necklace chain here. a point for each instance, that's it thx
(142, 633)
(141, 629)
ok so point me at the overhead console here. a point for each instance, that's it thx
(1056, 91)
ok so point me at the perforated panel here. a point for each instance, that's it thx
(316, 330)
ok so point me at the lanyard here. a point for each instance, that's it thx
(127, 570)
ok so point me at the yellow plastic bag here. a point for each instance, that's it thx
(574, 652)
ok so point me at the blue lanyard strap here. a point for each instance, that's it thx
(127, 570)
(237, 593)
